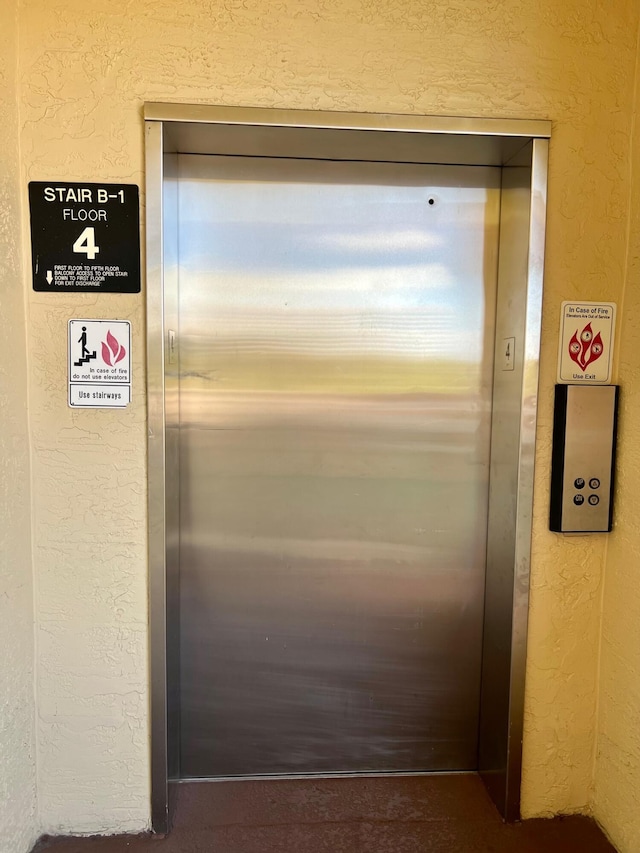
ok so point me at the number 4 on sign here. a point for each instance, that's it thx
(508, 358)
(86, 244)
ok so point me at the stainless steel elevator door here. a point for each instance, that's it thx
(335, 356)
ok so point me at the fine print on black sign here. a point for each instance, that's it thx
(85, 237)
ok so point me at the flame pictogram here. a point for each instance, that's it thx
(112, 351)
(585, 348)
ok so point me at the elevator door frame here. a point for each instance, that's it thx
(520, 148)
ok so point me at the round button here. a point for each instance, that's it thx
(579, 483)
(594, 500)
(578, 500)
(594, 483)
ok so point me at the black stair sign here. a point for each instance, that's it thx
(85, 237)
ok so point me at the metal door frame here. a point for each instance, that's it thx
(521, 148)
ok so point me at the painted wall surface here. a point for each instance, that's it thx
(617, 769)
(85, 70)
(18, 818)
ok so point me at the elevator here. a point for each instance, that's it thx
(343, 325)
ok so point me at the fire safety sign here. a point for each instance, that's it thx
(99, 364)
(85, 237)
(586, 342)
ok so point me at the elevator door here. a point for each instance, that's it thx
(335, 353)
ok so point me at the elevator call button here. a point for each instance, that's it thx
(583, 458)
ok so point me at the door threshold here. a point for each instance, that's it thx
(364, 774)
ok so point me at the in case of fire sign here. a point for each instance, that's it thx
(586, 342)
(99, 364)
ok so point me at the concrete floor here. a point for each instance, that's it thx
(429, 814)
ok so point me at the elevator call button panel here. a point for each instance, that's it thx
(582, 468)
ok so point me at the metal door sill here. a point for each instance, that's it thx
(363, 774)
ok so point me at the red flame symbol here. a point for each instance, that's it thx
(585, 348)
(112, 351)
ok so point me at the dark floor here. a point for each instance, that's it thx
(428, 814)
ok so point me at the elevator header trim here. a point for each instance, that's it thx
(442, 140)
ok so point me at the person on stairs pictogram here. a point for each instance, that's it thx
(85, 355)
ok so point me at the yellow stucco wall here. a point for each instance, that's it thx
(85, 68)
(617, 769)
(18, 817)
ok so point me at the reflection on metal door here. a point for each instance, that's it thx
(336, 339)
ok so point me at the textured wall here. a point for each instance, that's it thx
(18, 819)
(86, 68)
(617, 770)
